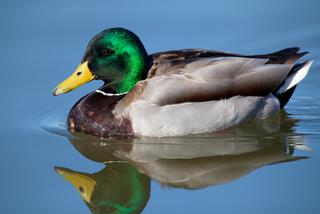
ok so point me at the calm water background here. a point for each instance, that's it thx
(43, 41)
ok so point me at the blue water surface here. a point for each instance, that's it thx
(42, 42)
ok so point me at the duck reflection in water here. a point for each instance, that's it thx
(117, 188)
(193, 162)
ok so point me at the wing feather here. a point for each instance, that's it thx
(218, 79)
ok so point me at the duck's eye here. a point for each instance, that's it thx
(81, 189)
(107, 52)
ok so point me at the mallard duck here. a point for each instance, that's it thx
(179, 92)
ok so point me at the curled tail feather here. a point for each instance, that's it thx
(287, 87)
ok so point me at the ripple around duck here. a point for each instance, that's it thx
(52, 122)
(241, 139)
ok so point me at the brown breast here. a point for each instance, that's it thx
(93, 115)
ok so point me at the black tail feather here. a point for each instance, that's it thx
(285, 97)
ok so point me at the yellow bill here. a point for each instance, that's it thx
(82, 182)
(79, 77)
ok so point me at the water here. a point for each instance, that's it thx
(260, 167)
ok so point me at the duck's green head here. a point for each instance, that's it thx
(115, 56)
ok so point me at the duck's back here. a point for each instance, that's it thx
(171, 61)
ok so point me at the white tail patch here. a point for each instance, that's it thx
(295, 78)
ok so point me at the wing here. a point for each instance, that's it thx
(211, 79)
